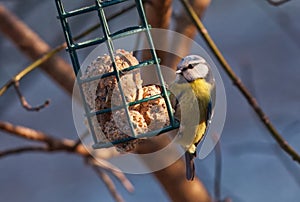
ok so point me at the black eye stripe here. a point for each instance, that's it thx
(190, 66)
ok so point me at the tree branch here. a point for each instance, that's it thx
(173, 177)
(158, 15)
(184, 25)
(52, 142)
(49, 54)
(218, 171)
(31, 67)
(21, 150)
(277, 3)
(238, 83)
(24, 103)
(115, 171)
(34, 47)
(57, 145)
(167, 177)
(109, 183)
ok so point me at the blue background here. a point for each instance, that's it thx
(261, 43)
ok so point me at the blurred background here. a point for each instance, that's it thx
(262, 44)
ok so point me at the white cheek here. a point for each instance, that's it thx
(201, 70)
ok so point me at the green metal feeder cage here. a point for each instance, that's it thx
(108, 38)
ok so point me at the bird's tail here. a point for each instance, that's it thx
(190, 167)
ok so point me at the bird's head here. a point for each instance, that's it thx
(193, 67)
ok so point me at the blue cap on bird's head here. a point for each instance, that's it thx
(193, 67)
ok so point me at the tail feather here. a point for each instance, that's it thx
(190, 166)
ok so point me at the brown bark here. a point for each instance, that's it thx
(180, 189)
(38, 136)
(53, 144)
(173, 178)
(159, 16)
(34, 47)
(159, 13)
(185, 26)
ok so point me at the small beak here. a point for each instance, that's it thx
(178, 71)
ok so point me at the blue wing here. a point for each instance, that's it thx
(208, 120)
(208, 115)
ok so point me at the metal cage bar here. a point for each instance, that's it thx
(111, 50)
(158, 70)
(74, 59)
(108, 38)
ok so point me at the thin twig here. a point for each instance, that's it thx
(21, 150)
(218, 172)
(116, 172)
(78, 141)
(108, 182)
(98, 168)
(33, 46)
(24, 102)
(30, 68)
(52, 142)
(277, 3)
(238, 83)
(54, 51)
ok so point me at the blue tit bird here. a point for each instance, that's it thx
(191, 99)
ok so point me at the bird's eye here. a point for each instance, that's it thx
(190, 66)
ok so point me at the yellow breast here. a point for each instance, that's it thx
(192, 134)
(202, 90)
